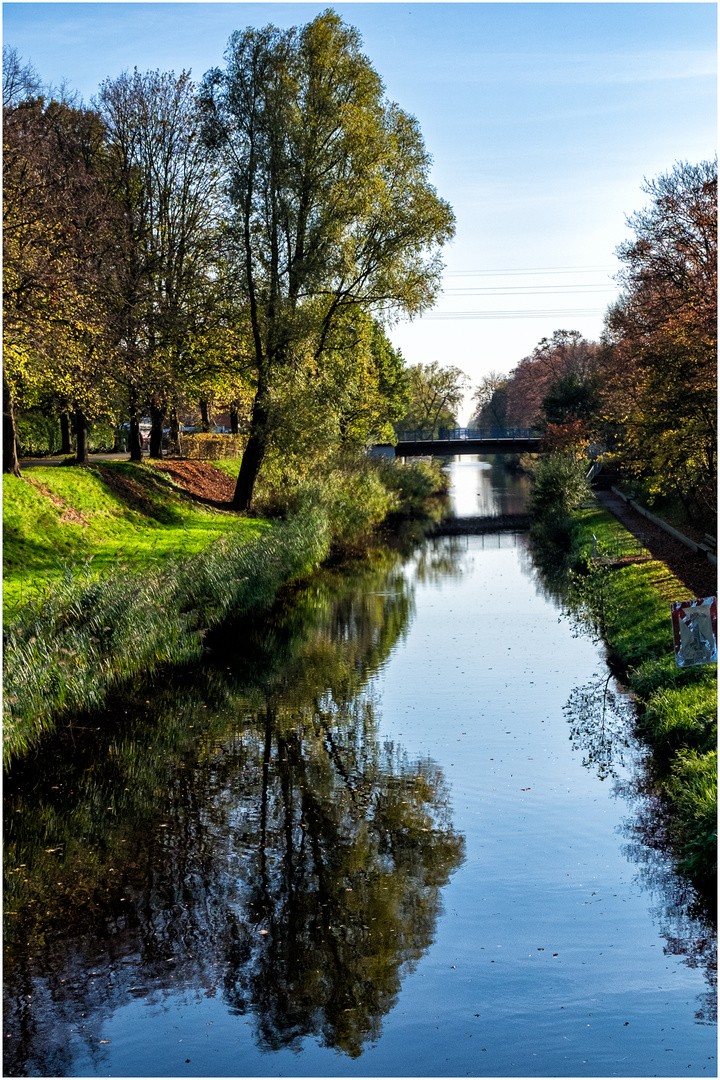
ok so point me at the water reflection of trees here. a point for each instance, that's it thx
(601, 720)
(686, 920)
(600, 717)
(244, 833)
(441, 559)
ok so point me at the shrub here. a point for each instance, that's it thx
(684, 716)
(559, 484)
(693, 788)
(414, 483)
(211, 446)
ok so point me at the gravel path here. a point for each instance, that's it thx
(691, 567)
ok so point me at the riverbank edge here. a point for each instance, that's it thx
(91, 634)
(676, 713)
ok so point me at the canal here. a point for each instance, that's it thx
(399, 828)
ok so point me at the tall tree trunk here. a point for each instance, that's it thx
(81, 438)
(135, 442)
(65, 440)
(11, 463)
(157, 416)
(234, 420)
(175, 435)
(205, 416)
(254, 453)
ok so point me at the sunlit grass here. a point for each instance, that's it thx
(55, 515)
(677, 707)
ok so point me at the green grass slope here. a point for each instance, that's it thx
(132, 516)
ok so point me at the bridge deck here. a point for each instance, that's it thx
(451, 447)
(451, 441)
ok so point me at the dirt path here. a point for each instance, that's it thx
(690, 567)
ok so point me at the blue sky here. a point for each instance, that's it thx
(542, 119)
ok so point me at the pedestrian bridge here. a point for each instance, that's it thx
(451, 441)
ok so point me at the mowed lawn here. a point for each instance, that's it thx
(57, 516)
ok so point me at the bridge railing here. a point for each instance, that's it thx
(476, 434)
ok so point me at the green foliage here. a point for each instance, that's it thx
(693, 788)
(414, 483)
(436, 393)
(358, 493)
(559, 485)
(570, 398)
(355, 499)
(595, 599)
(38, 433)
(684, 716)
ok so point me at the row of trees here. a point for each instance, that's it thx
(648, 389)
(245, 240)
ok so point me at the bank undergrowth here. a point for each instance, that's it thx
(84, 631)
(623, 597)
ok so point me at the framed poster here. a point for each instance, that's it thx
(694, 625)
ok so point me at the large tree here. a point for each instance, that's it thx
(567, 352)
(436, 393)
(59, 250)
(167, 185)
(490, 398)
(660, 384)
(331, 206)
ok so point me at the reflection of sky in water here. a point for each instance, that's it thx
(485, 488)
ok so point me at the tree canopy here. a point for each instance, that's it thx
(330, 207)
(242, 247)
(436, 393)
(660, 355)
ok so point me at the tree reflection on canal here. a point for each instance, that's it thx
(601, 719)
(245, 833)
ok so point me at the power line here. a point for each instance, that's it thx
(532, 290)
(524, 314)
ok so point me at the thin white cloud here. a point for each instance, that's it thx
(576, 69)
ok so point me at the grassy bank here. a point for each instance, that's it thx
(114, 572)
(625, 601)
(122, 515)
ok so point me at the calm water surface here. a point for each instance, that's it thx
(397, 829)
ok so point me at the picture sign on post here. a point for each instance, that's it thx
(695, 631)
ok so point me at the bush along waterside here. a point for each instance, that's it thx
(626, 604)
